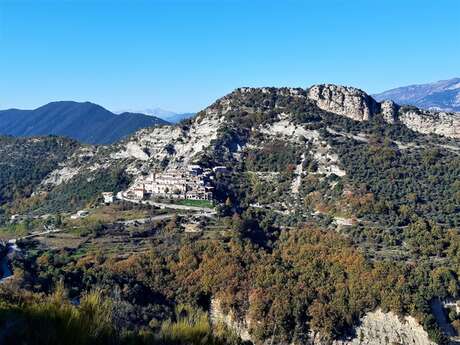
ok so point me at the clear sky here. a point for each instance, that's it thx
(183, 54)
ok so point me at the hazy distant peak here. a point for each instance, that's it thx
(160, 112)
(163, 114)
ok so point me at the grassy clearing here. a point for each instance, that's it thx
(110, 214)
(11, 231)
(61, 240)
(195, 203)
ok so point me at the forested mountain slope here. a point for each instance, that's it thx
(85, 122)
(25, 162)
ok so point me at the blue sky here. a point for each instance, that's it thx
(183, 54)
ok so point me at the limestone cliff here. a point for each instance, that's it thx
(376, 328)
(389, 111)
(379, 328)
(345, 101)
(359, 106)
(240, 327)
(427, 122)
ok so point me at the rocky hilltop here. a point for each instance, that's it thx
(357, 105)
(345, 101)
(251, 121)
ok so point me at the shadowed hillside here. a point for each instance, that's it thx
(86, 122)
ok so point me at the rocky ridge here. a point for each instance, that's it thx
(431, 122)
(248, 118)
(357, 105)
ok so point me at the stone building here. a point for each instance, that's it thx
(108, 197)
(193, 183)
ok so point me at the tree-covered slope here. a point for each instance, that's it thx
(24, 163)
(85, 122)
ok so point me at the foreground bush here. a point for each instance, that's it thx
(52, 320)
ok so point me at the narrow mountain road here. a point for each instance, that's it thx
(164, 205)
(163, 217)
(146, 220)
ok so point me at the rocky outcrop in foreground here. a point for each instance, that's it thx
(379, 328)
(376, 328)
(239, 327)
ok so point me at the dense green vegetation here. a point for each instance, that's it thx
(196, 203)
(307, 279)
(274, 156)
(84, 189)
(25, 162)
(405, 182)
(86, 122)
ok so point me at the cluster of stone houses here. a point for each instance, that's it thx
(192, 183)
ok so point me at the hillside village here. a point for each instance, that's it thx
(190, 183)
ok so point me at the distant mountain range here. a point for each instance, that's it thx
(86, 122)
(175, 118)
(166, 115)
(92, 124)
(442, 95)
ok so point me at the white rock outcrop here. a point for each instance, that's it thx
(218, 316)
(344, 100)
(430, 122)
(389, 111)
(379, 328)
(58, 176)
(376, 328)
(328, 161)
(359, 106)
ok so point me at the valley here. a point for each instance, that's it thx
(297, 215)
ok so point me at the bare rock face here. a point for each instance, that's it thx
(430, 122)
(359, 106)
(345, 101)
(389, 111)
(376, 328)
(379, 328)
(240, 327)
